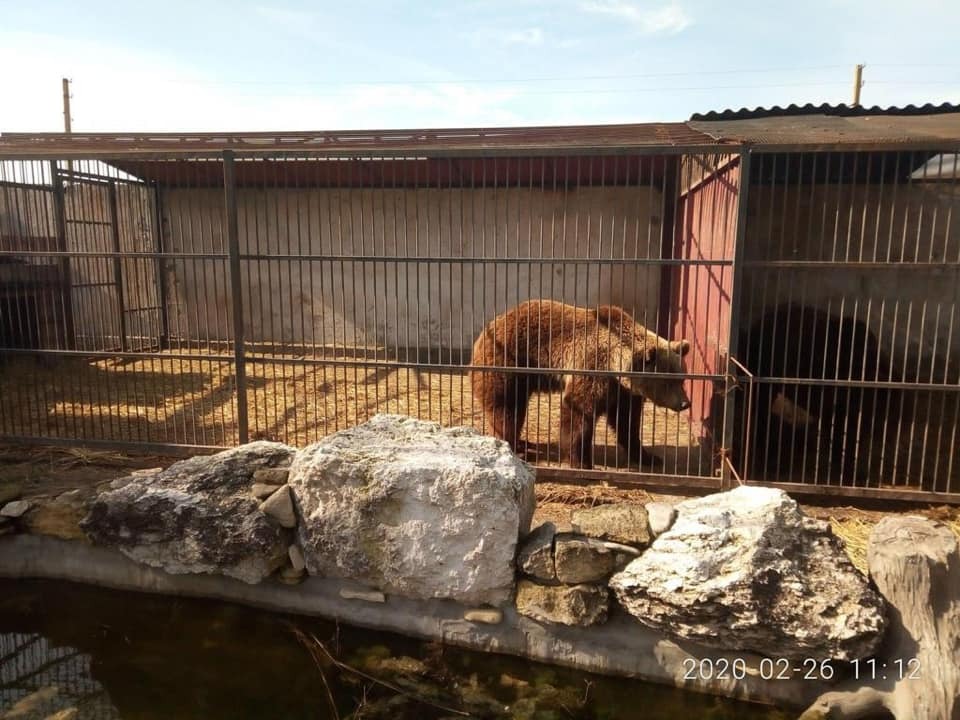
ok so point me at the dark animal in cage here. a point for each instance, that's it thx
(817, 431)
(552, 339)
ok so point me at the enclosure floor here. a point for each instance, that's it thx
(158, 399)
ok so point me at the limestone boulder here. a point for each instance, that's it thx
(581, 605)
(747, 570)
(624, 523)
(535, 557)
(412, 509)
(197, 516)
(579, 559)
(661, 516)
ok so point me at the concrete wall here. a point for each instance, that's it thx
(915, 311)
(395, 304)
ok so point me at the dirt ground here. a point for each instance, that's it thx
(192, 402)
(45, 472)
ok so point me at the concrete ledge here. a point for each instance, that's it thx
(622, 646)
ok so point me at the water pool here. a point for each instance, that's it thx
(112, 654)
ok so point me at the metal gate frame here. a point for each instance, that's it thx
(233, 257)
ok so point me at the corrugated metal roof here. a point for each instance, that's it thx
(814, 131)
(826, 109)
(414, 142)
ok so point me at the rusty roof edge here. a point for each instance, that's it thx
(648, 135)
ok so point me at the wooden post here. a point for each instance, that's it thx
(857, 84)
(67, 120)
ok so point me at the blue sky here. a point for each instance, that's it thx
(178, 66)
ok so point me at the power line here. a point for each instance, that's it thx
(558, 78)
(629, 90)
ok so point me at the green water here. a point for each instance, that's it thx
(113, 654)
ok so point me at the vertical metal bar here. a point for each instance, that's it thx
(117, 265)
(66, 293)
(736, 268)
(233, 247)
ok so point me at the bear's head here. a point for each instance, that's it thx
(658, 355)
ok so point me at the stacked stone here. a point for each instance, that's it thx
(567, 569)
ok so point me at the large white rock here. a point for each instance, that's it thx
(413, 509)
(747, 570)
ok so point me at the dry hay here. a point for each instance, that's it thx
(854, 528)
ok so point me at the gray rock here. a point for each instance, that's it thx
(747, 570)
(581, 559)
(271, 476)
(622, 522)
(261, 491)
(15, 509)
(536, 553)
(414, 510)
(196, 516)
(660, 516)
(146, 472)
(296, 557)
(565, 604)
(279, 506)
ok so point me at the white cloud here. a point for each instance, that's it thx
(120, 89)
(666, 19)
(530, 36)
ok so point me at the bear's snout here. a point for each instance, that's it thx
(685, 405)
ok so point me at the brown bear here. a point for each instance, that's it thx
(580, 351)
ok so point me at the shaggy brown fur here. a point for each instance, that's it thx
(552, 339)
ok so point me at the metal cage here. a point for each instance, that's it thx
(196, 297)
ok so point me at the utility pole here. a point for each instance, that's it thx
(857, 84)
(66, 105)
(66, 115)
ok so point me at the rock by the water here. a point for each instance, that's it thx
(261, 491)
(296, 557)
(660, 516)
(566, 604)
(747, 570)
(60, 517)
(414, 510)
(197, 516)
(271, 476)
(622, 522)
(279, 506)
(487, 616)
(582, 560)
(15, 509)
(535, 557)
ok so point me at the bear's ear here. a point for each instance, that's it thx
(680, 346)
